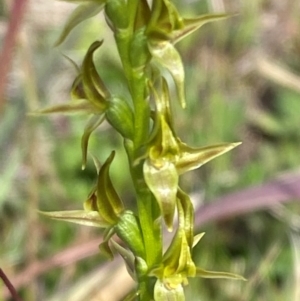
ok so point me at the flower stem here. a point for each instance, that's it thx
(148, 213)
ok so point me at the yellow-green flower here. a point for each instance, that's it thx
(168, 158)
(177, 263)
(166, 27)
(89, 95)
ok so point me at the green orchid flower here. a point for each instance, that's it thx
(104, 197)
(177, 263)
(167, 24)
(89, 95)
(105, 200)
(165, 28)
(103, 206)
(104, 209)
(168, 157)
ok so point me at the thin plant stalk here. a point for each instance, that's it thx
(9, 286)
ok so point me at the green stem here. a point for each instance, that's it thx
(146, 289)
(141, 108)
(123, 38)
(152, 241)
(148, 211)
(137, 86)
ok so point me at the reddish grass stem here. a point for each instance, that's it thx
(9, 286)
(15, 20)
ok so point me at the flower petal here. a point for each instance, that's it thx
(192, 158)
(163, 181)
(109, 204)
(80, 106)
(92, 124)
(164, 19)
(90, 204)
(104, 247)
(188, 214)
(197, 238)
(212, 274)
(177, 260)
(80, 14)
(162, 292)
(143, 14)
(87, 218)
(190, 25)
(93, 85)
(168, 57)
(128, 258)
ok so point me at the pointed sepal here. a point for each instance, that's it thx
(82, 217)
(109, 204)
(90, 204)
(164, 20)
(197, 238)
(128, 258)
(80, 14)
(105, 247)
(163, 181)
(93, 86)
(186, 210)
(81, 106)
(168, 57)
(223, 275)
(192, 158)
(191, 25)
(91, 126)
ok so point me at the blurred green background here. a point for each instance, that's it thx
(243, 84)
